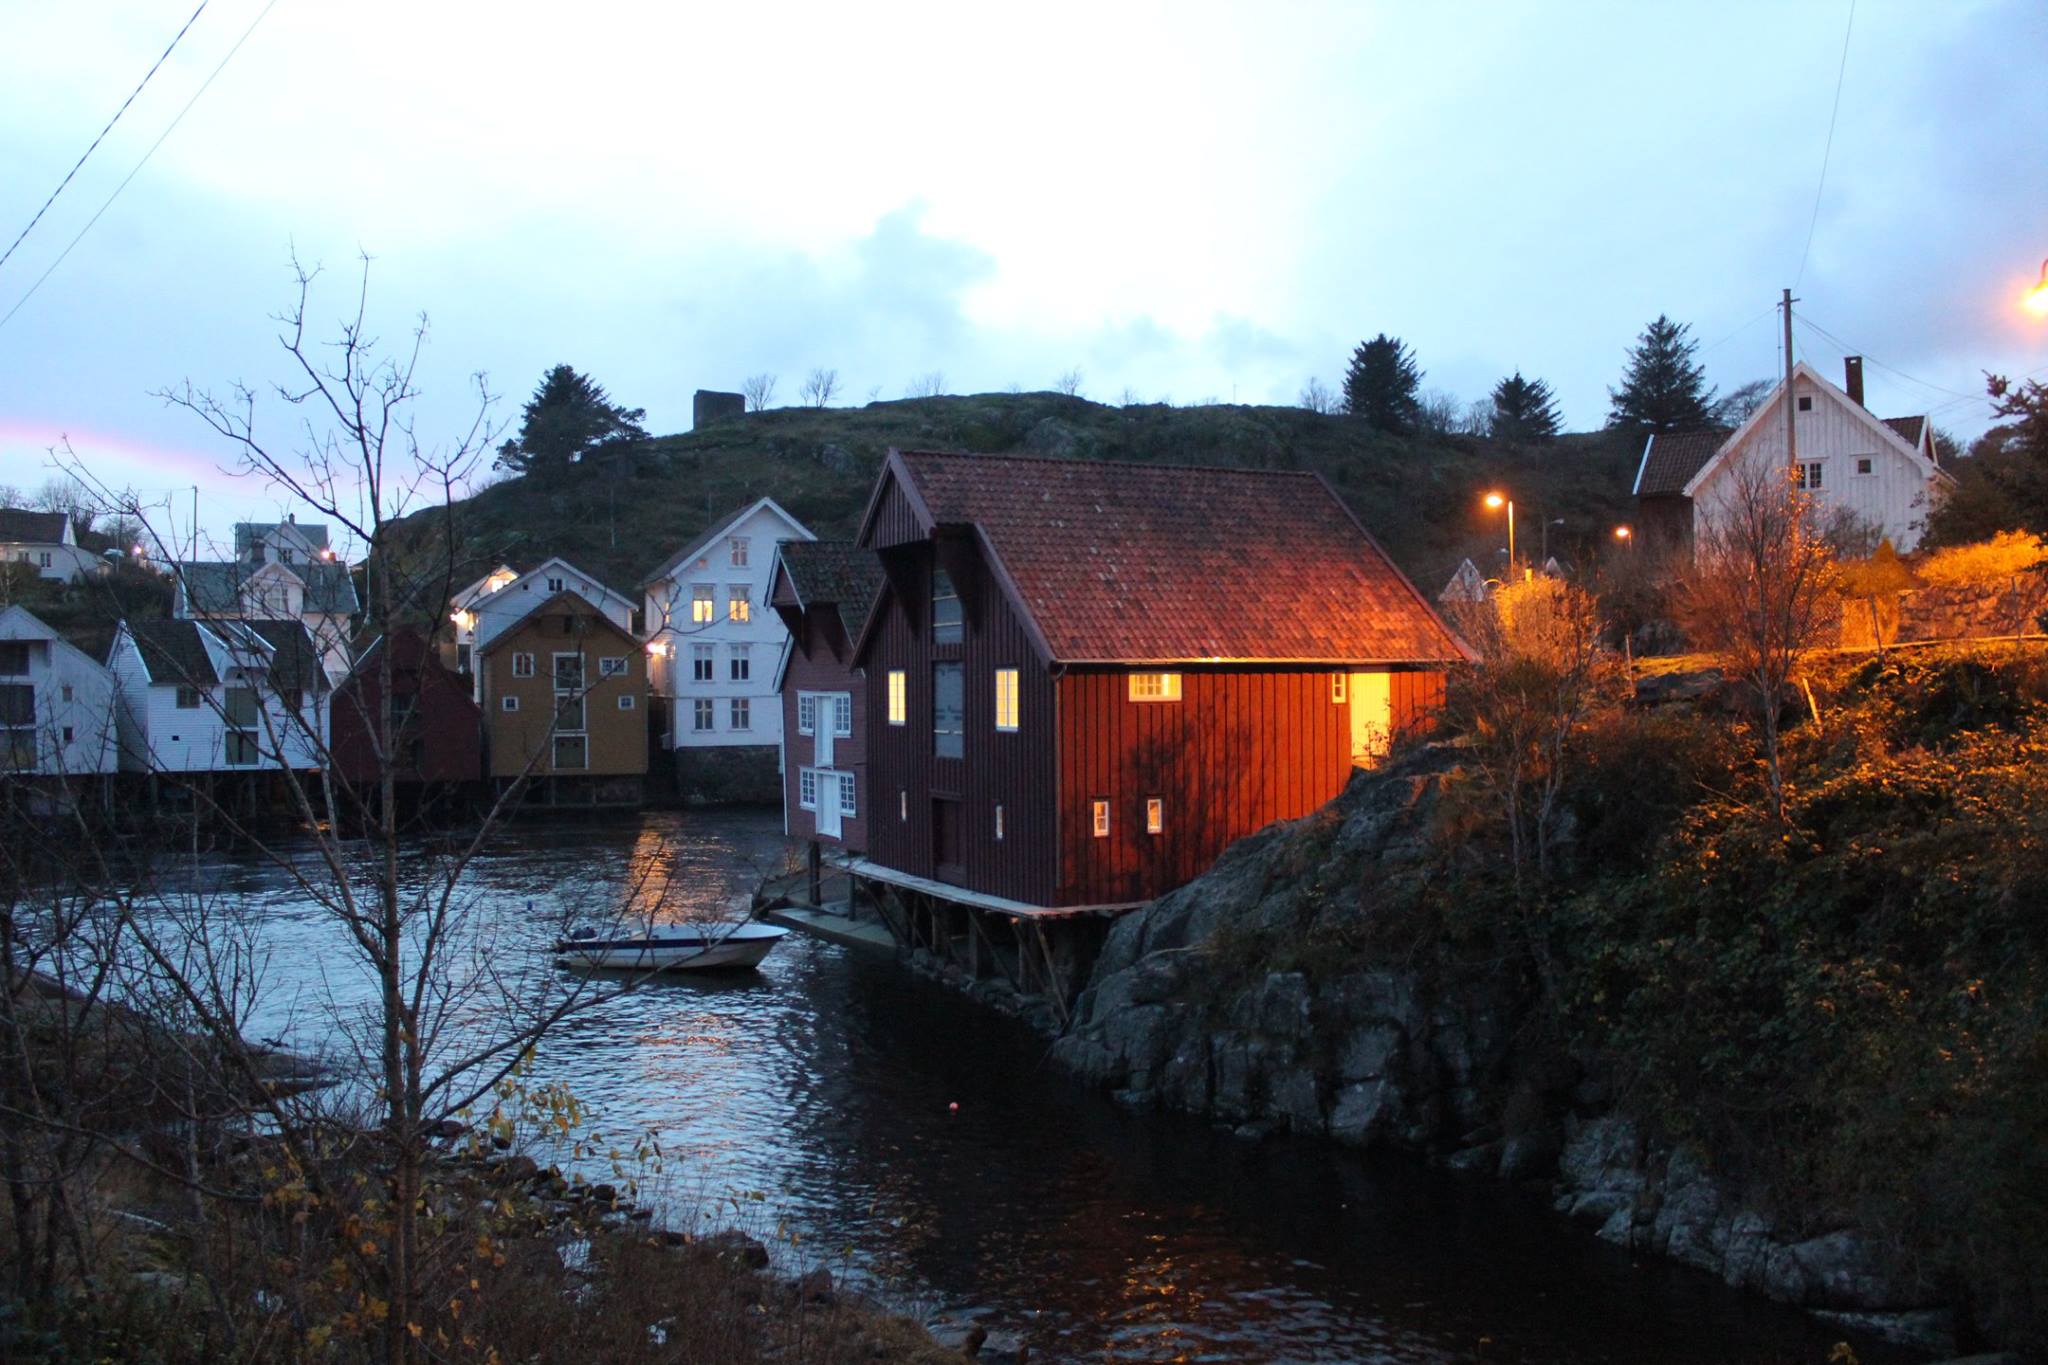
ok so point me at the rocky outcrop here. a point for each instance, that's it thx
(1218, 1001)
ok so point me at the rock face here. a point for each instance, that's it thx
(1194, 1005)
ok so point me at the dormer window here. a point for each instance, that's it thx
(946, 625)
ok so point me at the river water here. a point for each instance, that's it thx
(814, 1102)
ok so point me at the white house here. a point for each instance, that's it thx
(56, 703)
(281, 571)
(219, 696)
(1883, 471)
(504, 597)
(713, 645)
(46, 541)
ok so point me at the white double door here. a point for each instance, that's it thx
(830, 820)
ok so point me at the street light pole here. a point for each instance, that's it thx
(1502, 500)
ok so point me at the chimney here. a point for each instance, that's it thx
(1852, 376)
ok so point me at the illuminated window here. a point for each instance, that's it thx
(1101, 816)
(1155, 815)
(1337, 688)
(899, 697)
(999, 823)
(703, 603)
(737, 605)
(1006, 699)
(1155, 687)
(738, 548)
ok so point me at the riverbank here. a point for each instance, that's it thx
(1800, 1058)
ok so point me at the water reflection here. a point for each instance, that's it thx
(825, 1082)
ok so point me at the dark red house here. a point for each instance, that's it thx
(822, 591)
(437, 727)
(1085, 679)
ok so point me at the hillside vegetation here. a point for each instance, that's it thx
(622, 517)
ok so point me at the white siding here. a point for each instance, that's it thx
(157, 735)
(87, 716)
(1896, 495)
(671, 634)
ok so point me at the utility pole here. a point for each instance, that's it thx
(1791, 408)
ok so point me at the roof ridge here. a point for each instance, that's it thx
(1079, 462)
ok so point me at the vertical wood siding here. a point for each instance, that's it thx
(1011, 769)
(1240, 749)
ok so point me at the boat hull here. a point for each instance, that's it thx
(741, 947)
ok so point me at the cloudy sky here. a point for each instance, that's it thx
(1184, 201)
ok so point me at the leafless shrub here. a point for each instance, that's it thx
(1069, 383)
(930, 384)
(1317, 396)
(821, 386)
(760, 392)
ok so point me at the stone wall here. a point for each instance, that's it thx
(734, 774)
(1927, 614)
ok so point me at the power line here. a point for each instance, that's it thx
(1848, 348)
(138, 165)
(1828, 150)
(102, 137)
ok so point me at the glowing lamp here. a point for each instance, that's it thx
(1622, 533)
(1495, 500)
(2037, 297)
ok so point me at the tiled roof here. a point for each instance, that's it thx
(174, 652)
(1166, 563)
(1910, 429)
(294, 662)
(247, 533)
(835, 572)
(34, 528)
(216, 588)
(1670, 460)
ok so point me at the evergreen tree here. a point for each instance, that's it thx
(1381, 383)
(1663, 389)
(569, 418)
(1523, 410)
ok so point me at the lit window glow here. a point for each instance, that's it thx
(1155, 687)
(899, 697)
(1006, 699)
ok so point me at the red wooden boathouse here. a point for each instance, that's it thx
(1085, 679)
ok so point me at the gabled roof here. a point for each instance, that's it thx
(294, 661)
(33, 528)
(491, 619)
(215, 587)
(540, 607)
(175, 652)
(247, 533)
(834, 573)
(1671, 459)
(705, 541)
(1884, 431)
(1155, 563)
(1465, 585)
(19, 623)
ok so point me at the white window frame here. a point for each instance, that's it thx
(522, 664)
(704, 716)
(842, 715)
(848, 809)
(626, 701)
(1098, 815)
(1337, 694)
(807, 713)
(1812, 475)
(1865, 466)
(807, 789)
(1006, 700)
(739, 663)
(508, 703)
(703, 603)
(611, 666)
(739, 605)
(1150, 687)
(736, 551)
(703, 663)
(555, 585)
(739, 714)
(899, 697)
(1155, 815)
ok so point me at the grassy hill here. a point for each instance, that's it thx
(1420, 495)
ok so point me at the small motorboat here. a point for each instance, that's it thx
(671, 947)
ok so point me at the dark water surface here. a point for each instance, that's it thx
(814, 1099)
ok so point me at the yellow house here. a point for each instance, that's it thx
(564, 693)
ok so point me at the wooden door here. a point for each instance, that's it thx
(828, 804)
(947, 859)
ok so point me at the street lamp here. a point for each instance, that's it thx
(1499, 500)
(1624, 534)
(2037, 297)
